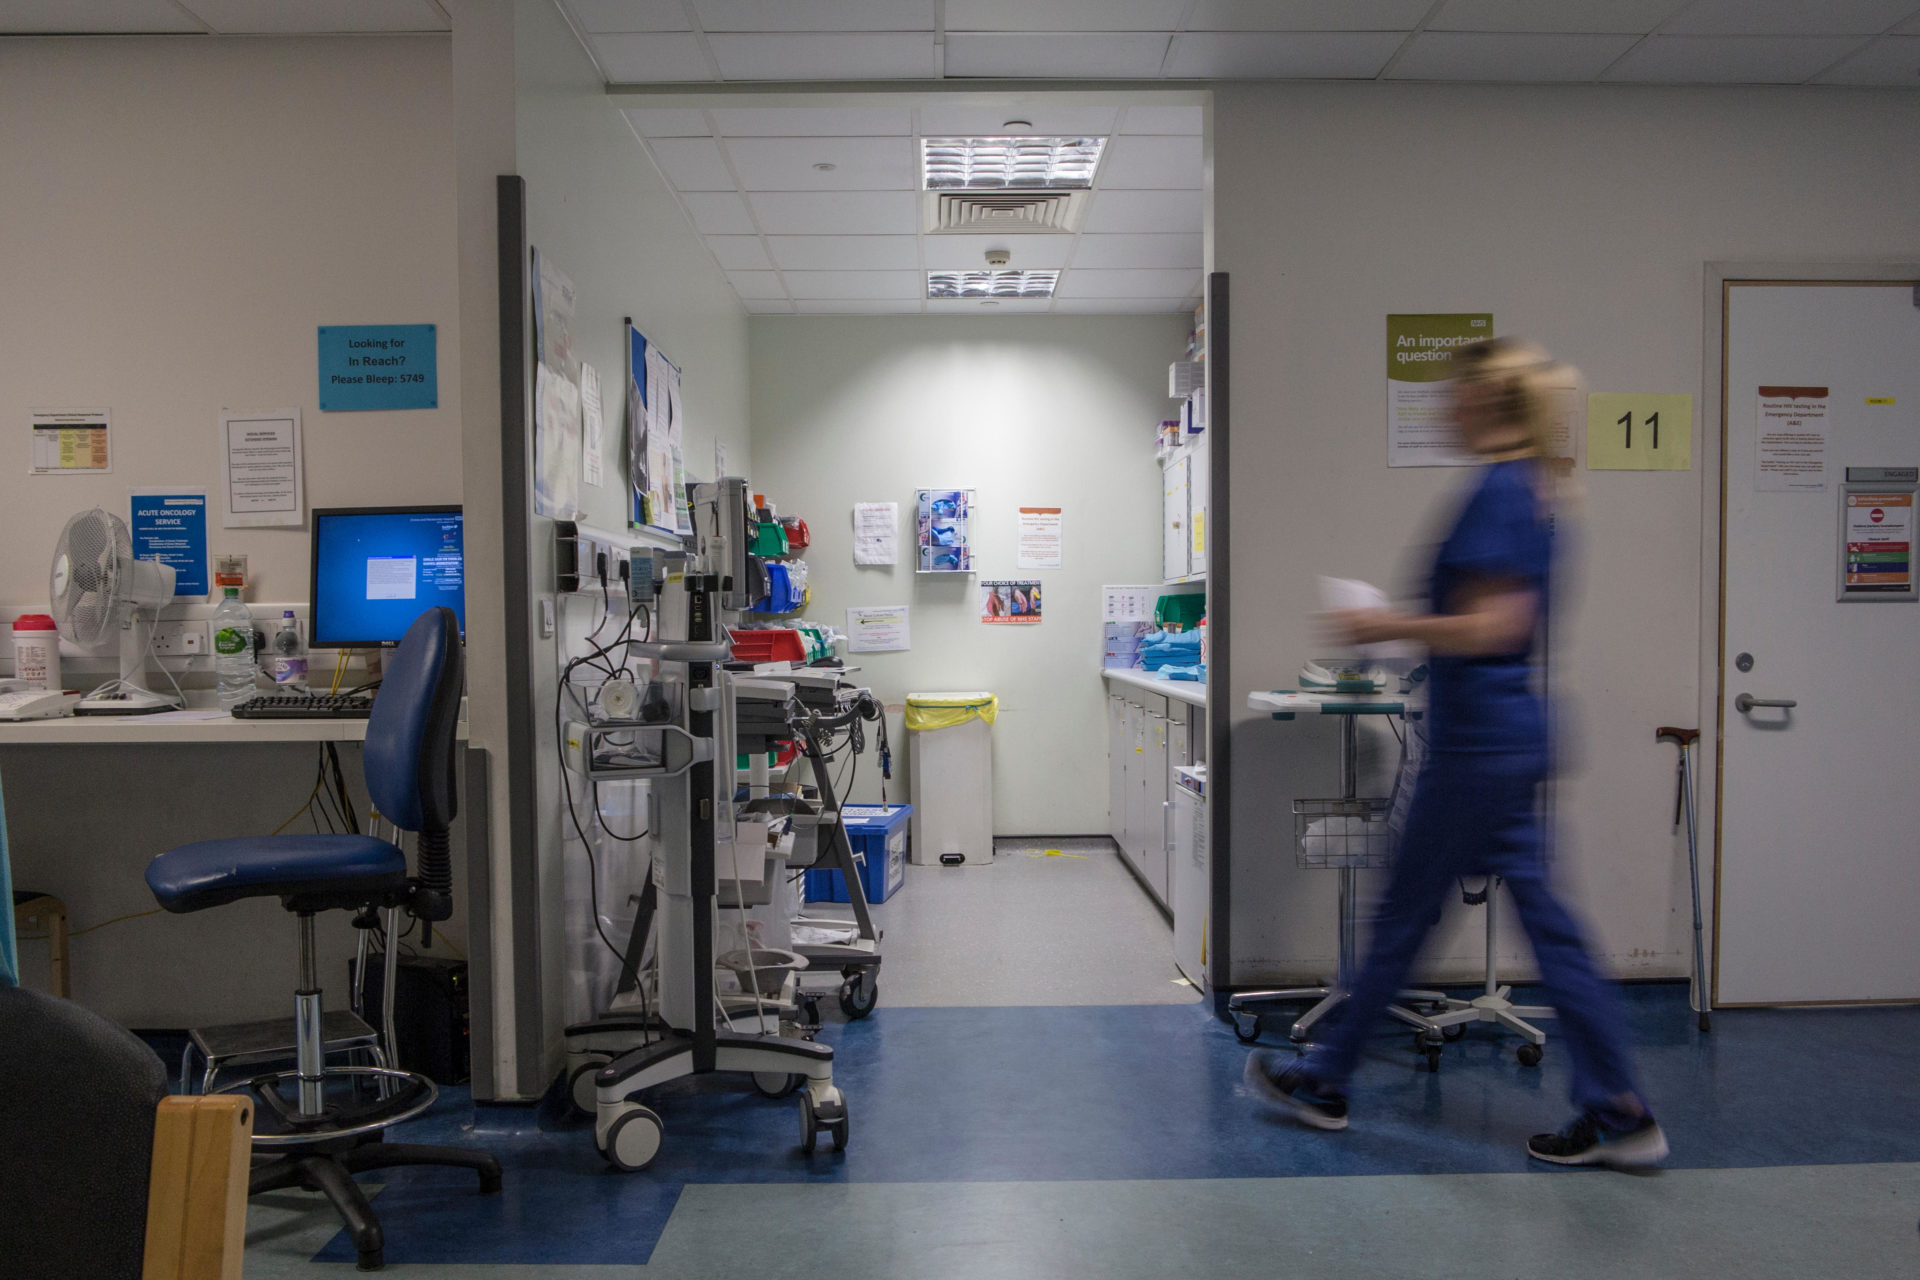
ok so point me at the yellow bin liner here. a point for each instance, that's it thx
(949, 710)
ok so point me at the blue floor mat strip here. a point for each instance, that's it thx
(1153, 1092)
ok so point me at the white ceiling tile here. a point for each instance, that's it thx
(813, 122)
(815, 15)
(718, 213)
(1162, 250)
(317, 17)
(1305, 55)
(1064, 15)
(631, 15)
(668, 122)
(857, 306)
(1597, 17)
(946, 252)
(692, 164)
(1730, 59)
(1057, 55)
(1310, 15)
(823, 57)
(845, 253)
(830, 213)
(1114, 211)
(1787, 17)
(859, 164)
(1164, 120)
(757, 284)
(1154, 283)
(1487, 56)
(768, 306)
(98, 17)
(1148, 162)
(857, 284)
(1047, 119)
(1122, 306)
(1892, 60)
(740, 253)
(987, 306)
(650, 59)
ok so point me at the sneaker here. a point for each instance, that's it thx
(1289, 1085)
(1591, 1140)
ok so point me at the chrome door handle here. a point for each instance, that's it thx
(1746, 702)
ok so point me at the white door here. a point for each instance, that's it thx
(1174, 559)
(1153, 853)
(1116, 767)
(1819, 855)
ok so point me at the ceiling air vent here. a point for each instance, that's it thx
(996, 212)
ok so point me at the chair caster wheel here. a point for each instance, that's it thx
(776, 1084)
(580, 1090)
(633, 1139)
(1427, 1048)
(1455, 1031)
(1529, 1055)
(1246, 1027)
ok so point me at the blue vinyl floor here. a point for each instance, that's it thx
(1153, 1093)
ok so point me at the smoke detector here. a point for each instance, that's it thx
(999, 257)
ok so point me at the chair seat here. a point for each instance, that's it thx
(214, 872)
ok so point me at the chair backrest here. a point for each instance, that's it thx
(76, 1140)
(410, 736)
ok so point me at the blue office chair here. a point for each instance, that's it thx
(320, 1137)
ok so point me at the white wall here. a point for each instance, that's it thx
(1028, 411)
(180, 216)
(1580, 217)
(600, 212)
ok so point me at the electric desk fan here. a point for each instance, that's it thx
(98, 588)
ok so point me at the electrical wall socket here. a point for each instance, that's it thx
(180, 640)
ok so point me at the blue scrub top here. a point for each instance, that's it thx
(1488, 704)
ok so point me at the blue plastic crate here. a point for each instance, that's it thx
(879, 839)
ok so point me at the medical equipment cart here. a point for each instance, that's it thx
(1338, 850)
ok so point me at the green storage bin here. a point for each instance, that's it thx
(770, 539)
(1182, 611)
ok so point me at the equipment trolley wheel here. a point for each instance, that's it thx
(633, 1139)
(809, 1127)
(777, 1084)
(1246, 1027)
(859, 993)
(1529, 1055)
(580, 1091)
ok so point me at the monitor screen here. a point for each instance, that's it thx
(376, 569)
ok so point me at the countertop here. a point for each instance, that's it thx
(1192, 692)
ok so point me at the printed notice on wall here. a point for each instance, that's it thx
(879, 629)
(170, 525)
(1039, 538)
(1010, 601)
(1420, 430)
(1877, 561)
(1790, 438)
(261, 453)
(876, 532)
(590, 425)
(1128, 603)
(71, 442)
(378, 366)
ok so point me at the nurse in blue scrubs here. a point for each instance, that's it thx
(1474, 808)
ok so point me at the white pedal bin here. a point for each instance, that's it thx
(951, 740)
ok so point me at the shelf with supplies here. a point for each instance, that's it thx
(1181, 446)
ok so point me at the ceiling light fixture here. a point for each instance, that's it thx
(991, 284)
(1025, 163)
(826, 166)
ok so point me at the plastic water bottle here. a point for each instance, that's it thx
(289, 656)
(233, 650)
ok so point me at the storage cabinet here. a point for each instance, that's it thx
(1175, 537)
(1149, 735)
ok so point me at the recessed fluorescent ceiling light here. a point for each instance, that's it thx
(991, 164)
(991, 284)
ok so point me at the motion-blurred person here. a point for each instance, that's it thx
(1473, 810)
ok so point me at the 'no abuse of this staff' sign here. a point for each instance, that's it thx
(1876, 544)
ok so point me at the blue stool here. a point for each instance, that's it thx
(317, 1139)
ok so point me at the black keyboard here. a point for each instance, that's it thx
(306, 706)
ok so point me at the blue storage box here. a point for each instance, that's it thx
(879, 838)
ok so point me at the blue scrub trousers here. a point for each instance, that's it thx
(1474, 814)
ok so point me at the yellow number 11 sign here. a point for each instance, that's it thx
(1636, 432)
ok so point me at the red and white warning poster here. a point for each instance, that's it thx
(1878, 556)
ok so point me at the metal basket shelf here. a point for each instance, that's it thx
(1342, 833)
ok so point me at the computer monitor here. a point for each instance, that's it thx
(376, 569)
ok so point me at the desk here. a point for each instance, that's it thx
(91, 799)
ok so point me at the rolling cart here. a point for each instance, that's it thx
(1344, 834)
